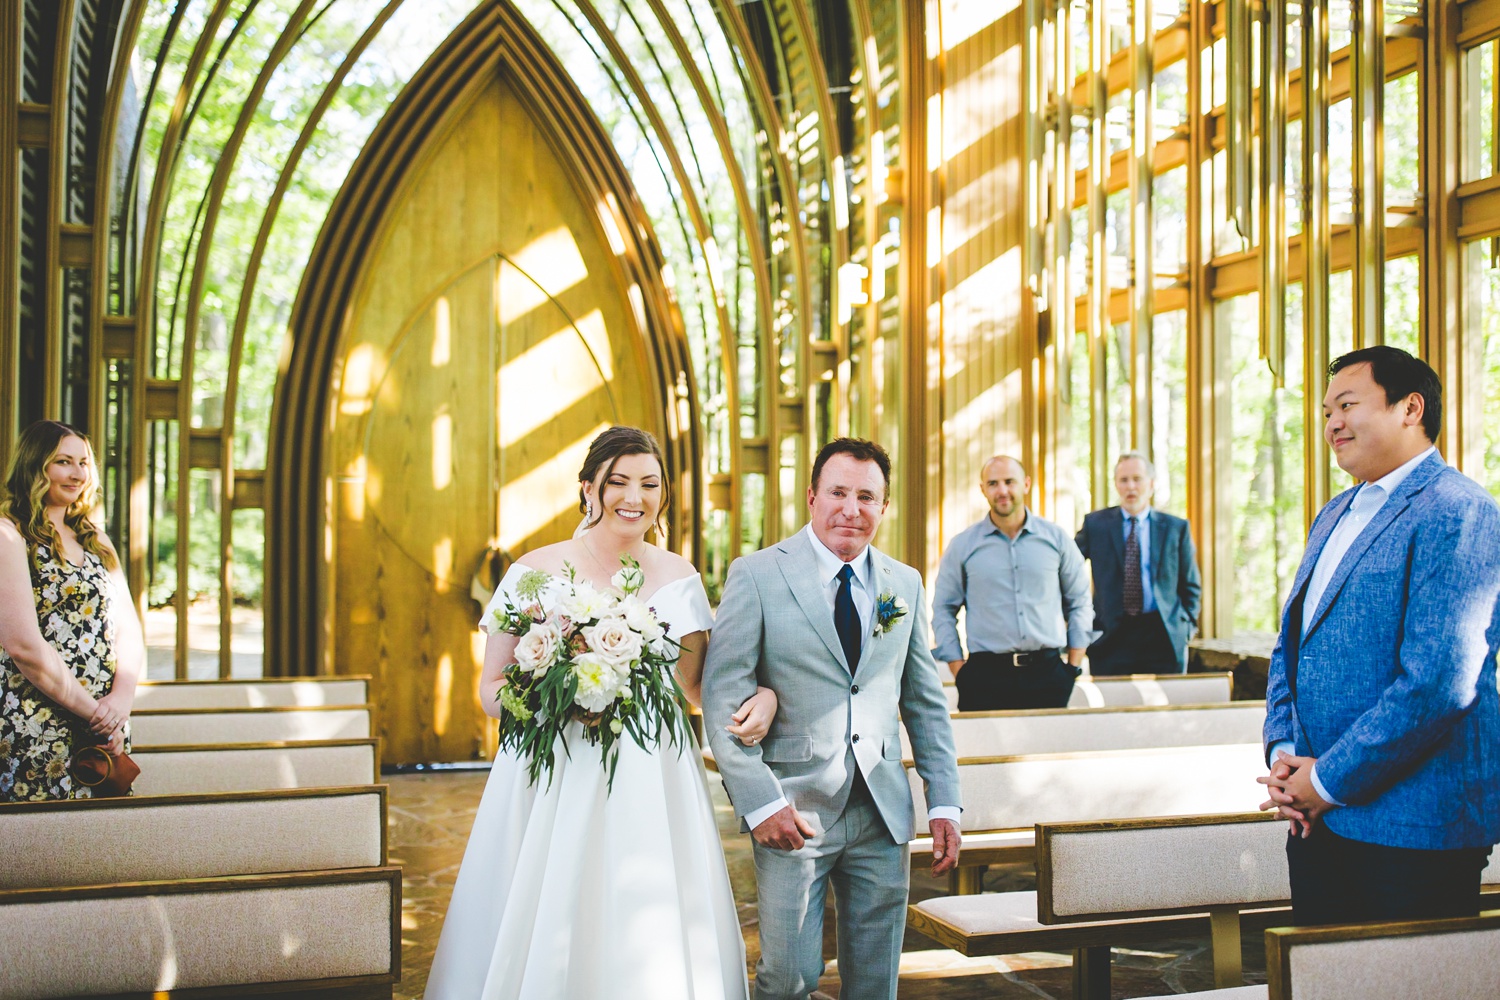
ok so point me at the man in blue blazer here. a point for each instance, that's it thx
(1382, 725)
(1146, 585)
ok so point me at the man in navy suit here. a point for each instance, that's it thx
(1382, 725)
(1146, 584)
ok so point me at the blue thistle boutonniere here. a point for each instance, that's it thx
(889, 609)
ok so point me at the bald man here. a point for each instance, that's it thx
(1028, 613)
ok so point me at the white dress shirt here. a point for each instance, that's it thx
(1360, 512)
(863, 592)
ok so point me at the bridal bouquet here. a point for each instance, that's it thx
(597, 657)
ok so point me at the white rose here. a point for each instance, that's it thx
(630, 579)
(599, 682)
(615, 642)
(538, 648)
(641, 618)
(585, 603)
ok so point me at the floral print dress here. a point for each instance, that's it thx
(36, 735)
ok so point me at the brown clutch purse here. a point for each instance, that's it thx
(109, 775)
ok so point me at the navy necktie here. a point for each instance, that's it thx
(1135, 596)
(845, 618)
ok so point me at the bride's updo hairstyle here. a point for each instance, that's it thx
(607, 449)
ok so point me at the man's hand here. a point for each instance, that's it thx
(784, 830)
(1293, 794)
(1075, 656)
(945, 846)
(954, 666)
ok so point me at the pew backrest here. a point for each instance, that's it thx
(1416, 960)
(1136, 689)
(151, 838)
(248, 767)
(202, 726)
(1151, 689)
(1114, 869)
(1010, 793)
(1064, 730)
(262, 693)
(334, 932)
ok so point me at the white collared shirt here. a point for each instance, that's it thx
(863, 591)
(1360, 512)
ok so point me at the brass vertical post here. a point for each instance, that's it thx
(1316, 240)
(1367, 83)
(1273, 88)
(1142, 245)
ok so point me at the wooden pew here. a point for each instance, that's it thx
(267, 692)
(247, 767)
(1118, 881)
(1106, 883)
(1063, 730)
(334, 934)
(1135, 689)
(218, 893)
(1004, 797)
(1414, 960)
(146, 838)
(198, 726)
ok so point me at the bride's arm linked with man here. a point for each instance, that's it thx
(836, 629)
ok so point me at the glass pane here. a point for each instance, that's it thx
(1169, 446)
(1482, 362)
(1403, 123)
(1080, 426)
(1265, 477)
(203, 575)
(1403, 303)
(247, 615)
(1117, 392)
(1477, 126)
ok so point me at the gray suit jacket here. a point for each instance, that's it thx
(774, 627)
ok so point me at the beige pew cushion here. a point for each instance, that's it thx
(214, 935)
(253, 767)
(1067, 730)
(1410, 966)
(184, 727)
(1122, 868)
(1150, 689)
(252, 694)
(1014, 792)
(144, 839)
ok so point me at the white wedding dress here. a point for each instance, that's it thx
(575, 892)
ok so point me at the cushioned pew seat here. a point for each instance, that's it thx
(337, 931)
(154, 838)
(259, 693)
(247, 767)
(189, 726)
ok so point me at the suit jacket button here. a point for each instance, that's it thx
(856, 737)
(854, 689)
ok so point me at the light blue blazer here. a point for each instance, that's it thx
(1393, 687)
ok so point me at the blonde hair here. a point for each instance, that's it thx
(25, 497)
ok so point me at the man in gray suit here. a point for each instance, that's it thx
(836, 629)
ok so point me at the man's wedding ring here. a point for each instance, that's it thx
(753, 741)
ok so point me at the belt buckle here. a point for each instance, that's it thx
(1015, 659)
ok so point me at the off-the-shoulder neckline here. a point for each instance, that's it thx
(695, 575)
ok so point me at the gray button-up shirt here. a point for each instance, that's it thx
(1016, 594)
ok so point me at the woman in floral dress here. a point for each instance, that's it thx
(71, 649)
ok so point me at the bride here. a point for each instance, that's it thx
(571, 891)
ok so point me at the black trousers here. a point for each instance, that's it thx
(987, 683)
(1336, 880)
(1138, 644)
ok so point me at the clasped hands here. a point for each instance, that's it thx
(1293, 795)
(786, 830)
(108, 722)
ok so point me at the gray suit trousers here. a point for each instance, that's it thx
(869, 873)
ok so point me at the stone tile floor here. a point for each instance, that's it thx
(430, 816)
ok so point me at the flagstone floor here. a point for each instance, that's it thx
(430, 816)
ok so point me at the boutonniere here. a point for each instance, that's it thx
(889, 609)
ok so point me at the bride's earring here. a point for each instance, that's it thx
(588, 510)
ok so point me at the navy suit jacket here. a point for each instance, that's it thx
(1393, 687)
(1174, 572)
